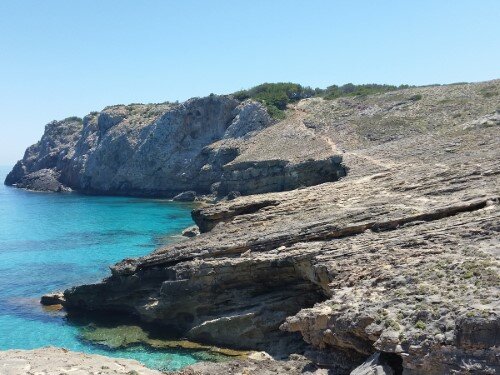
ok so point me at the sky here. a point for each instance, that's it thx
(60, 58)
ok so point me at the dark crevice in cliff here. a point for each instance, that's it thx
(394, 361)
(207, 222)
(435, 215)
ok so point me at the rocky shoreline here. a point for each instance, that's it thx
(387, 266)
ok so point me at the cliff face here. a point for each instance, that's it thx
(164, 149)
(43, 162)
(397, 262)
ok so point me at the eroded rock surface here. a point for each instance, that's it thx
(401, 257)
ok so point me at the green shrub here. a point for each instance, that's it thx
(333, 92)
(416, 97)
(489, 94)
(276, 96)
(420, 325)
(275, 113)
(468, 275)
(73, 119)
(488, 91)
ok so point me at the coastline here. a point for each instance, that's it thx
(394, 265)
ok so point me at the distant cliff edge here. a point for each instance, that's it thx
(211, 145)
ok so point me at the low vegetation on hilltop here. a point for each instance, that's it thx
(73, 119)
(276, 96)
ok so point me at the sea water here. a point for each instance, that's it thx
(49, 242)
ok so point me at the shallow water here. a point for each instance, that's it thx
(49, 242)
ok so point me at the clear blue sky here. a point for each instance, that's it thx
(68, 57)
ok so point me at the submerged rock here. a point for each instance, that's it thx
(115, 337)
(123, 336)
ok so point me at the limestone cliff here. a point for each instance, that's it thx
(165, 149)
(396, 264)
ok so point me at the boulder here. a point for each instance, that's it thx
(42, 180)
(191, 231)
(52, 299)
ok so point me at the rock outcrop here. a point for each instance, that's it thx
(400, 258)
(42, 180)
(211, 145)
(51, 299)
(41, 166)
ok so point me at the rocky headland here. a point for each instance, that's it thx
(365, 240)
(213, 145)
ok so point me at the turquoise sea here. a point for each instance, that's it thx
(49, 242)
